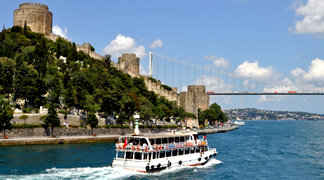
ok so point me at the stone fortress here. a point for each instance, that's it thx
(39, 19)
(34, 15)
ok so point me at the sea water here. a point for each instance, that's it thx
(258, 150)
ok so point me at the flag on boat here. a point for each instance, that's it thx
(125, 143)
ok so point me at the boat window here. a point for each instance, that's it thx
(180, 152)
(138, 155)
(129, 155)
(187, 151)
(164, 140)
(168, 153)
(142, 141)
(149, 156)
(154, 155)
(171, 140)
(195, 136)
(182, 139)
(162, 154)
(176, 139)
(175, 152)
(157, 155)
(197, 150)
(145, 156)
(121, 154)
(202, 149)
(133, 141)
(158, 141)
(206, 148)
(152, 141)
(192, 150)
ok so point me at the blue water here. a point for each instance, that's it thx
(259, 150)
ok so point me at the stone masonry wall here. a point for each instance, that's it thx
(34, 119)
(158, 89)
(81, 131)
(196, 98)
(129, 64)
(36, 16)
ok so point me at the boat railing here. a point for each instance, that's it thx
(131, 147)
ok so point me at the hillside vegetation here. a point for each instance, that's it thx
(43, 72)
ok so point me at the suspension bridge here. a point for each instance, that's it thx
(180, 74)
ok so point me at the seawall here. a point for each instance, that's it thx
(103, 135)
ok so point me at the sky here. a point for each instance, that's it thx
(266, 45)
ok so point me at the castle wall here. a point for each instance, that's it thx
(36, 16)
(158, 89)
(196, 98)
(86, 48)
(129, 64)
(34, 119)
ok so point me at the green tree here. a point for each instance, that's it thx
(92, 121)
(23, 117)
(7, 70)
(25, 83)
(6, 114)
(52, 120)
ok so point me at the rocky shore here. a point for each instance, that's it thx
(87, 138)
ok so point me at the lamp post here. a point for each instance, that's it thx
(136, 131)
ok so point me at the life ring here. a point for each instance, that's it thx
(138, 148)
(146, 149)
(191, 144)
(133, 148)
(159, 147)
(199, 144)
(119, 148)
(124, 148)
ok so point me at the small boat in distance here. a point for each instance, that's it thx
(155, 152)
(239, 122)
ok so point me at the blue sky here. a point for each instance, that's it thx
(279, 43)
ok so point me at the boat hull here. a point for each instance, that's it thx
(156, 165)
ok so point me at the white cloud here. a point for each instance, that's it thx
(313, 17)
(59, 31)
(218, 61)
(265, 98)
(156, 43)
(215, 84)
(297, 72)
(315, 72)
(123, 44)
(143, 71)
(252, 70)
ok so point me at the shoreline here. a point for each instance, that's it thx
(87, 139)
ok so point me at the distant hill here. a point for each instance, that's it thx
(257, 114)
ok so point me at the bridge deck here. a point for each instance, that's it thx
(264, 93)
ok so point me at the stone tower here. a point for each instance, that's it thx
(37, 17)
(129, 64)
(196, 98)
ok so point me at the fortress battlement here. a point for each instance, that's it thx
(33, 5)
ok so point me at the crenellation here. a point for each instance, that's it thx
(36, 16)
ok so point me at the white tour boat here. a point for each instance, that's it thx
(155, 152)
(240, 123)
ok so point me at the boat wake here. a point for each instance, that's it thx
(99, 173)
